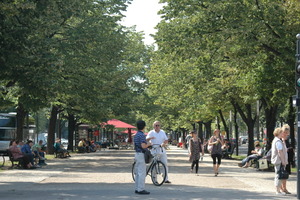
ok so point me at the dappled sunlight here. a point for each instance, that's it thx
(107, 175)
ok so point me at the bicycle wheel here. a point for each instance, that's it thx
(158, 173)
(133, 171)
(2, 160)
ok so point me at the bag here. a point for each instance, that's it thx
(263, 163)
(224, 147)
(210, 148)
(282, 173)
(148, 156)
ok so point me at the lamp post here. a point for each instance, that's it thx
(298, 110)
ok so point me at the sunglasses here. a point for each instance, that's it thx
(157, 125)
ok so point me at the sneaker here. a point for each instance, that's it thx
(286, 192)
(280, 193)
(37, 166)
(42, 163)
(42, 158)
(142, 192)
(167, 181)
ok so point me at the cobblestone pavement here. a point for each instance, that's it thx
(107, 175)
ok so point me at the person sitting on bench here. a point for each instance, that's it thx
(26, 150)
(17, 154)
(81, 146)
(58, 147)
(39, 154)
(227, 149)
(256, 154)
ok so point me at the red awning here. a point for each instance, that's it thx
(118, 124)
(132, 131)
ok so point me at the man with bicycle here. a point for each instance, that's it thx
(158, 137)
(140, 144)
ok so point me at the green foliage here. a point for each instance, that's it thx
(73, 54)
(211, 53)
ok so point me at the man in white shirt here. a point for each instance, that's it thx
(159, 137)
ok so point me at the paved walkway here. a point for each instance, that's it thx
(107, 175)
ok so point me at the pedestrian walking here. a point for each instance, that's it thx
(216, 153)
(187, 141)
(195, 147)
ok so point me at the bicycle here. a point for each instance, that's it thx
(157, 170)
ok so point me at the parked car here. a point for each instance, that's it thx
(243, 139)
(64, 142)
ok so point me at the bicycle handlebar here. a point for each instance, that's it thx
(155, 146)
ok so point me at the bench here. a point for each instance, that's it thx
(15, 162)
(58, 154)
(81, 149)
(228, 154)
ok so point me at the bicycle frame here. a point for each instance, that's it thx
(155, 169)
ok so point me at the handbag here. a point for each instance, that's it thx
(148, 155)
(282, 173)
(263, 164)
(210, 148)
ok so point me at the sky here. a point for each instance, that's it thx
(143, 14)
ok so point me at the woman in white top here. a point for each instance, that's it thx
(279, 157)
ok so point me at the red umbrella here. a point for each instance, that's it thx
(118, 124)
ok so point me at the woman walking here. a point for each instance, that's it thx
(195, 147)
(216, 153)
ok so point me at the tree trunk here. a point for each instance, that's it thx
(270, 115)
(71, 130)
(200, 130)
(208, 129)
(21, 113)
(247, 118)
(224, 124)
(218, 123)
(194, 126)
(236, 128)
(51, 130)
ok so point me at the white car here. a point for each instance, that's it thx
(243, 139)
(64, 142)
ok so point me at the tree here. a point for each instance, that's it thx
(237, 48)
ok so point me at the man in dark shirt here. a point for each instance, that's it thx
(140, 143)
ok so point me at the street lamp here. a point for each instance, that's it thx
(298, 110)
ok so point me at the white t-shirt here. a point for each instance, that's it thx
(160, 137)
